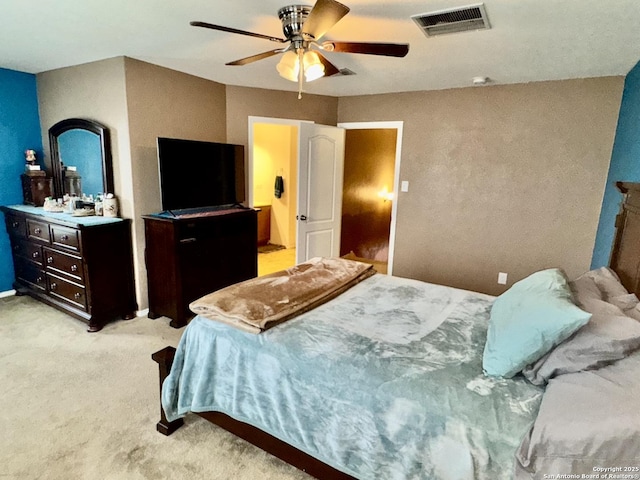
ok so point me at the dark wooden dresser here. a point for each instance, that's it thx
(192, 254)
(81, 265)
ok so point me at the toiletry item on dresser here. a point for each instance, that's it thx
(71, 203)
(53, 205)
(110, 205)
(98, 204)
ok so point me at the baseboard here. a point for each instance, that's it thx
(8, 293)
(142, 313)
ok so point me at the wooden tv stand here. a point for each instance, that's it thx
(190, 254)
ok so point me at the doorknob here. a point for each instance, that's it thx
(301, 217)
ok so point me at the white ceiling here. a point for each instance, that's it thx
(530, 40)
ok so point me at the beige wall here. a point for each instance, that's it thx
(138, 102)
(94, 91)
(244, 102)
(501, 179)
(164, 103)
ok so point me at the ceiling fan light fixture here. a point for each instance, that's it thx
(313, 67)
(289, 66)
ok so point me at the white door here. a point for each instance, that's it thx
(320, 173)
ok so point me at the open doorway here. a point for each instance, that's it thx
(371, 183)
(273, 190)
(372, 157)
(367, 197)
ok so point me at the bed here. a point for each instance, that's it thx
(392, 379)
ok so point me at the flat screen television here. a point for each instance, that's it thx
(196, 174)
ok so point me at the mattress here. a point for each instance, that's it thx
(384, 381)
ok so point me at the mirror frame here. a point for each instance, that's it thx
(105, 146)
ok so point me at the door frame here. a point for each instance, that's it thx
(398, 126)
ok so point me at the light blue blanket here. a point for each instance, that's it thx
(384, 381)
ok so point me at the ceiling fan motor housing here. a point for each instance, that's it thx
(292, 18)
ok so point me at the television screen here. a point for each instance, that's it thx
(195, 174)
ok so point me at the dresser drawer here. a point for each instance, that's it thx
(64, 263)
(28, 250)
(16, 226)
(66, 291)
(65, 237)
(38, 231)
(27, 272)
(197, 231)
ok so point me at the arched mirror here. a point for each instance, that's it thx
(81, 157)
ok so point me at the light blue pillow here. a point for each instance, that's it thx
(528, 320)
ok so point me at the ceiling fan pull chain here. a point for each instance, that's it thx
(300, 71)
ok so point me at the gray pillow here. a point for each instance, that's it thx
(604, 340)
(610, 335)
(612, 291)
(608, 282)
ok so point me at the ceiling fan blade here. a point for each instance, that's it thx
(329, 68)
(387, 49)
(255, 58)
(324, 15)
(235, 30)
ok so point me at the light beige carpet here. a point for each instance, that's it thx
(76, 405)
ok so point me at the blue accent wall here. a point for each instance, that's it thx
(19, 131)
(625, 166)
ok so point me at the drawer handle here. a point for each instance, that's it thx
(53, 285)
(15, 224)
(16, 247)
(35, 254)
(37, 231)
(188, 240)
(49, 260)
(64, 238)
(39, 280)
(77, 296)
(74, 268)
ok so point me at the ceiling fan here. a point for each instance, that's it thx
(303, 27)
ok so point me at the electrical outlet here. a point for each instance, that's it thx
(404, 186)
(502, 278)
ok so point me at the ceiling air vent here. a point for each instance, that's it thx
(452, 20)
(346, 71)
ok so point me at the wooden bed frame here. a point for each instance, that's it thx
(625, 261)
(625, 253)
(251, 434)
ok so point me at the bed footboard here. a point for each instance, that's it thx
(164, 358)
(253, 435)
